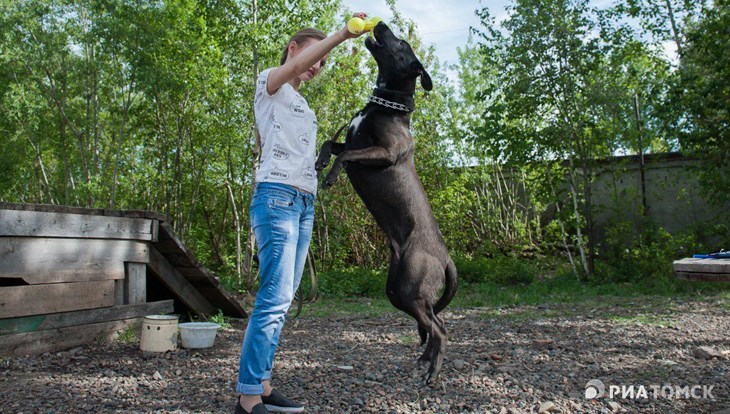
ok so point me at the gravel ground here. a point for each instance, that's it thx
(514, 360)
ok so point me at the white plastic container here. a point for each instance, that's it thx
(159, 333)
(198, 334)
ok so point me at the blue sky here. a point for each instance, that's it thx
(445, 24)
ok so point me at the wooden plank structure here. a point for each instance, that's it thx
(69, 276)
(706, 270)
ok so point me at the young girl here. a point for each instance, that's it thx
(282, 211)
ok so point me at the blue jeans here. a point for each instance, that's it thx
(282, 218)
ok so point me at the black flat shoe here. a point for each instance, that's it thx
(259, 408)
(277, 403)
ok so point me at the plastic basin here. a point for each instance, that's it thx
(198, 334)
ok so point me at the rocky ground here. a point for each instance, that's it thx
(514, 360)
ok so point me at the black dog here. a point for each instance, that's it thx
(378, 158)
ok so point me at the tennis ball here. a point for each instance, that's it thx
(356, 25)
(371, 23)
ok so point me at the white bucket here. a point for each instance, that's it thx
(159, 333)
(198, 334)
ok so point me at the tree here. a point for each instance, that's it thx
(545, 99)
(704, 90)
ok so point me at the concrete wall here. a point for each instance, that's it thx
(673, 196)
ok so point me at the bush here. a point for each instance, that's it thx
(647, 255)
(503, 270)
(354, 281)
(361, 282)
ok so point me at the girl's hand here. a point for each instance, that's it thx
(349, 35)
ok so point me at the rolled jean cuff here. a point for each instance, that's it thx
(246, 389)
(266, 376)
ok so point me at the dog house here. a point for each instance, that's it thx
(70, 276)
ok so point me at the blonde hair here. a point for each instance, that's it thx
(300, 37)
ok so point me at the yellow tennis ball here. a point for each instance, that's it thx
(371, 23)
(356, 25)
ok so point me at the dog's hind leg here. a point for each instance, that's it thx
(437, 343)
(425, 339)
(423, 334)
(425, 328)
(436, 334)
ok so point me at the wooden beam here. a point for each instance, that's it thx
(46, 260)
(135, 283)
(81, 226)
(119, 291)
(52, 208)
(53, 340)
(57, 297)
(34, 323)
(181, 288)
(703, 277)
(702, 265)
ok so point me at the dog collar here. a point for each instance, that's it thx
(390, 104)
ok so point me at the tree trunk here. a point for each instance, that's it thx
(675, 30)
(237, 223)
(579, 232)
(250, 245)
(563, 233)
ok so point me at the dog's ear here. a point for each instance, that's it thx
(426, 82)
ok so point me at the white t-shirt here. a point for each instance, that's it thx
(288, 129)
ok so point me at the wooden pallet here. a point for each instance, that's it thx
(705, 270)
(70, 275)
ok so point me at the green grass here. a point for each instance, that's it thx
(643, 319)
(220, 319)
(520, 301)
(564, 288)
(130, 334)
(338, 306)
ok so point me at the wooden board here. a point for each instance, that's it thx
(80, 226)
(54, 208)
(702, 265)
(703, 277)
(54, 340)
(47, 260)
(58, 297)
(181, 288)
(34, 323)
(135, 283)
(704, 270)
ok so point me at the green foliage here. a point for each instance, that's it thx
(500, 270)
(353, 282)
(130, 334)
(148, 105)
(646, 256)
(705, 93)
(220, 319)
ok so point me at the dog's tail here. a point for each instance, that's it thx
(450, 288)
(337, 134)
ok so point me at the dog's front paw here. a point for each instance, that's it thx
(321, 163)
(329, 181)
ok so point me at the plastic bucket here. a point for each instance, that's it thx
(198, 334)
(159, 333)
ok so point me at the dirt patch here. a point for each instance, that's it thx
(517, 360)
